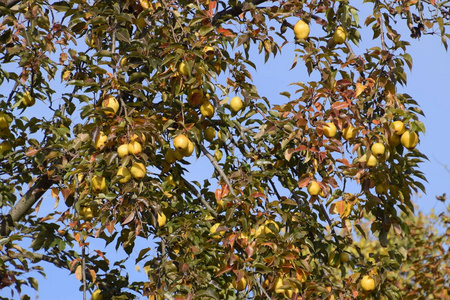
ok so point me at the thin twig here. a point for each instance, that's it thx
(218, 168)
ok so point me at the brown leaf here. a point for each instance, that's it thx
(31, 151)
(129, 218)
(339, 105)
(302, 182)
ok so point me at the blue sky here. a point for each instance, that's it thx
(428, 83)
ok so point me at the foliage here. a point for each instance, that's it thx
(160, 61)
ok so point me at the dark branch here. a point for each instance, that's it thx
(22, 207)
(231, 12)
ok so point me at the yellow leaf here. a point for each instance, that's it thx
(79, 273)
(359, 89)
(93, 274)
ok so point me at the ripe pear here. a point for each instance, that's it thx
(101, 140)
(181, 142)
(314, 188)
(86, 213)
(138, 170)
(409, 139)
(339, 36)
(349, 132)
(98, 183)
(210, 134)
(189, 150)
(394, 140)
(241, 284)
(371, 161)
(398, 127)
(112, 104)
(367, 283)
(207, 109)
(236, 104)
(125, 173)
(183, 69)
(97, 295)
(5, 147)
(344, 257)
(170, 156)
(378, 149)
(209, 52)
(329, 130)
(134, 147)
(27, 99)
(218, 155)
(161, 219)
(122, 150)
(301, 30)
(4, 120)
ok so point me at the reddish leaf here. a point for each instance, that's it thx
(344, 161)
(225, 32)
(304, 182)
(339, 105)
(31, 152)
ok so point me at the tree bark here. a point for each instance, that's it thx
(21, 208)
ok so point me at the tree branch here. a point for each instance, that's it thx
(231, 12)
(41, 185)
(218, 168)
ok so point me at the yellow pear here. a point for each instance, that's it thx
(138, 170)
(112, 104)
(86, 213)
(241, 284)
(218, 155)
(210, 134)
(377, 149)
(122, 150)
(409, 139)
(371, 161)
(349, 132)
(98, 183)
(381, 188)
(329, 130)
(170, 156)
(181, 142)
(97, 295)
(398, 127)
(339, 36)
(314, 188)
(394, 140)
(134, 147)
(27, 99)
(367, 283)
(183, 69)
(268, 229)
(5, 147)
(178, 154)
(207, 109)
(278, 283)
(344, 257)
(4, 120)
(125, 173)
(101, 140)
(209, 52)
(236, 104)
(161, 219)
(189, 150)
(301, 30)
